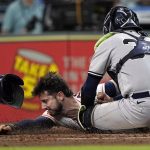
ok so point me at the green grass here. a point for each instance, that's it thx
(147, 147)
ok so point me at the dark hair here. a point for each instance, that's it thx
(53, 83)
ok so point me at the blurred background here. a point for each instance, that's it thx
(66, 15)
(38, 36)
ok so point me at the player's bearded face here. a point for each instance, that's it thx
(51, 103)
(54, 107)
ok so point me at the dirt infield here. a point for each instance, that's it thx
(63, 136)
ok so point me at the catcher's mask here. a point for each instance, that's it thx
(120, 17)
(11, 92)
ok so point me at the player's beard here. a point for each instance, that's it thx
(56, 111)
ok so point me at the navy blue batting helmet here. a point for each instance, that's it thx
(120, 17)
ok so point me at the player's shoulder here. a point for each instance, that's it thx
(13, 8)
(104, 38)
(13, 5)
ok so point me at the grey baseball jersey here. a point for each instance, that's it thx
(133, 73)
(133, 78)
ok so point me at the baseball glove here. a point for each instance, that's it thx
(11, 92)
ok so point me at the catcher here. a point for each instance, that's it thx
(61, 106)
(11, 92)
(124, 53)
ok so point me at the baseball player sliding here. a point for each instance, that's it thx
(61, 106)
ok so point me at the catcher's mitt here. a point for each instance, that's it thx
(11, 92)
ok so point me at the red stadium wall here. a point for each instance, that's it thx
(33, 57)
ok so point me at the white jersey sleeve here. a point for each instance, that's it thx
(100, 88)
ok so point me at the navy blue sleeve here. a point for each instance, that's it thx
(88, 91)
(40, 122)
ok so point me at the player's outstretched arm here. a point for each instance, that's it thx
(39, 123)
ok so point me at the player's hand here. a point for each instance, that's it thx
(4, 129)
(102, 97)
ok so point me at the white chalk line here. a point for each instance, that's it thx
(114, 138)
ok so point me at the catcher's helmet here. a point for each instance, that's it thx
(120, 17)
